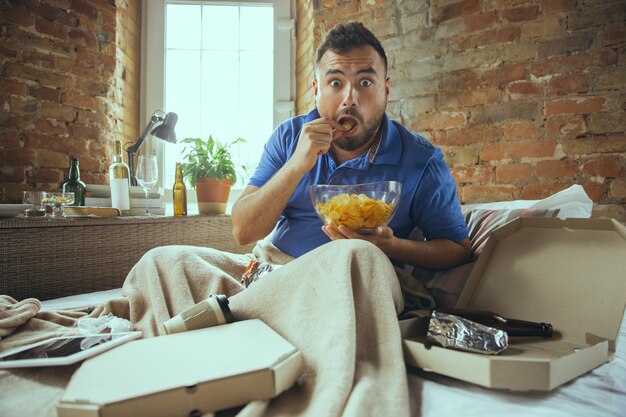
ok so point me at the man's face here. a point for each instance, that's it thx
(352, 88)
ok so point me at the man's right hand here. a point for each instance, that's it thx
(315, 140)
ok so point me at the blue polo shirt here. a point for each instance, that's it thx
(427, 201)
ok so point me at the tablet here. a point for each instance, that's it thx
(64, 350)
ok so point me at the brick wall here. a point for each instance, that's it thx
(69, 85)
(525, 97)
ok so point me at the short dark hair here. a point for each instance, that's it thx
(348, 36)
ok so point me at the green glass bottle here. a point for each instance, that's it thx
(74, 184)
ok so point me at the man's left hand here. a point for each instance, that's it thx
(382, 236)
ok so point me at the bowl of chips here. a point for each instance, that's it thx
(360, 207)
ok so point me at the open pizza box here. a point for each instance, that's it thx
(570, 273)
(184, 374)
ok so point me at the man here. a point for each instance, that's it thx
(348, 139)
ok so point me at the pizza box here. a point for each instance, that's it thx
(569, 273)
(183, 374)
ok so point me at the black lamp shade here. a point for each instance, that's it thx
(165, 130)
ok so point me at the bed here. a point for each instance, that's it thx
(601, 392)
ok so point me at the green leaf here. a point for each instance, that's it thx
(209, 158)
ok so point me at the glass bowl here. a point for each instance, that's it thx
(360, 207)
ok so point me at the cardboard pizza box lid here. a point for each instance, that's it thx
(202, 371)
(569, 273)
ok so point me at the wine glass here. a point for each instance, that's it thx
(54, 201)
(147, 174)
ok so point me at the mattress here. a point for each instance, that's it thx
(601, 392)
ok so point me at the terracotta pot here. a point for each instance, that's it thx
(212, 195)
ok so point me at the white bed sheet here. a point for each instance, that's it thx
(601, 392)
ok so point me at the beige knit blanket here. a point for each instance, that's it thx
(337, 304)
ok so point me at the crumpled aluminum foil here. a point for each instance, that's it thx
(456, 332)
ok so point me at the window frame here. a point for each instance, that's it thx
(152, 82)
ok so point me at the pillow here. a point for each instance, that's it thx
(446, 285)
(480, 223)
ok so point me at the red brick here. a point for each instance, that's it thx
(82, 38)
(566, 45)
(109, 64)
(55, 13)
(91, 119)
(559, 65)
(451, 11)
(12, 174)
(618, 188)
(578, 105)
(45, 93)
(595, 144)
(568, 84)
(10, 138)
(51, 28)
(89, 163)
(597, 192)
(513, 173)
(47, 126)
(19, 121)
(554, 6)
(471, 98)
(81, 132)
(521, 131)
(566, 126)
(547, 26)
(438, 121)
(13, 87)
(58, 112)
(608, 167)
(604, 57)
(20, 104)
(17, 156)
(508, 34)
(80, 101)
(474, 40)
(613, 34)
(47, 175)
(8, 51)
(524, 89)
(44, 76)
(487, 193)
(85, 8)
(559, 169)
(19, 15)
(520, 14)
(463, 175)
(480, 22)
(498, 151)
(51, 159)
(541, 191)
(503, 75)
(474, 134)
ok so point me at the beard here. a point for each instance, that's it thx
(369, 131)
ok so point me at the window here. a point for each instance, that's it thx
(225, 68)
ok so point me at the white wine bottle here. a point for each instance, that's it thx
(119, 180)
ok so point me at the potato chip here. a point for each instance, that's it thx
(355, 211)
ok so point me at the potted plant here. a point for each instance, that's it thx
(211, 171)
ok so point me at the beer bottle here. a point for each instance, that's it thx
(513, 327)
(180, 193)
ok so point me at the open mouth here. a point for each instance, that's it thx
(348, 123)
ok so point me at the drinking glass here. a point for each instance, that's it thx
(35, 199)
(54, 201)
(147, 173)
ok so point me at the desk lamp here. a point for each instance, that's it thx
(161, 125)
